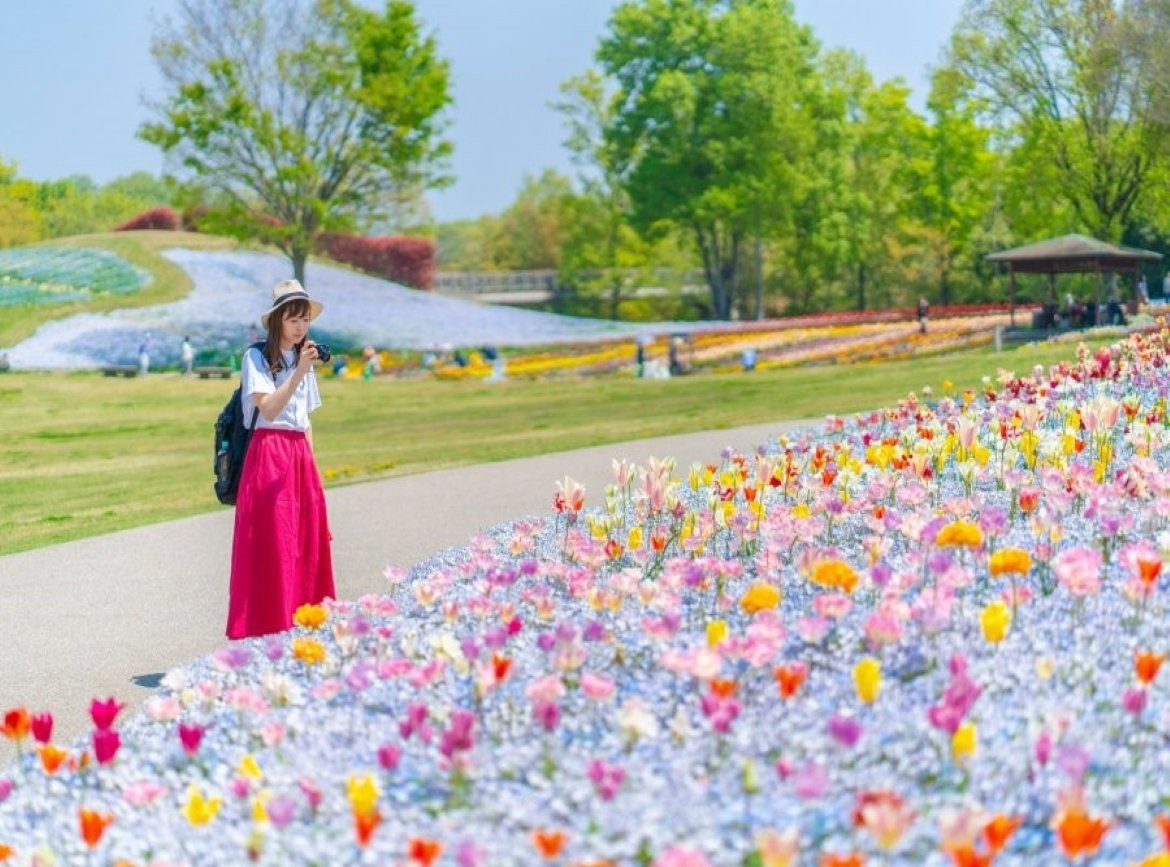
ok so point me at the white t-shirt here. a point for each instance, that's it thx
(258, 381)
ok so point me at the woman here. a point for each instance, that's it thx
(280, 551)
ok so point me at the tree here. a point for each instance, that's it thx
(1070, 78)
(300, 115)
(20, 222)
(708, 124)
(530, 232)
(952, 178)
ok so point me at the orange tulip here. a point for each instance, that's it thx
(1148, 571)
(789, 678)
(17, 723)
(51, 758)
(364, 825)
(723, 688)
(93, 825)
(1079, 833)
(966, 856)
(853, 859)
(1163, 823)
(997, 832)
(6, 852)
(424, 851)
(549, 844)
(501, 665)
(1146, 664)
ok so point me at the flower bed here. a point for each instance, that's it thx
(930, 634)
(61, 275)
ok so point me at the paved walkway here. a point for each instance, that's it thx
(99, 616)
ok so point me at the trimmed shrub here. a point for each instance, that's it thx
(406, 260)
(161, 218)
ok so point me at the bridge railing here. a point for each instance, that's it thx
(544, 284)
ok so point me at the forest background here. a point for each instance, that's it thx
(720, 144)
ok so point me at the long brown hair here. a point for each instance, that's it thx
(272, 354)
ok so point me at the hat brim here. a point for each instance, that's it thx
(315, 308)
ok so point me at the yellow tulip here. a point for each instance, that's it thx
(759, 597)
(996, 618)
(199, 810)
(964, 742)
(308, 651)
(716, 632)
(363, 794)
(634, 541)
(249, 768)
(867, 677)
(1015, 561)
(310, 616)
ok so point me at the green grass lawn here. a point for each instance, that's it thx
(85, 454)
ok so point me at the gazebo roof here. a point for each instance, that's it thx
(1073, 253)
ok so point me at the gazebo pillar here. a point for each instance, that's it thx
(1012, 294)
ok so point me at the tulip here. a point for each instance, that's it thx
(1146, 665)
(995, 619)
(549, 844)
(388, 756)
(199, 810)
(425, 852)
(42, 727)
(191, 736)
(760, 597)
(789, 678)
(17, 724)
(93, 826)
(997, 831)
(1078, 833)
(106, 743)
(310, 616)
(716, 632)
(364, 825)
(103, 713)
(867, 677)
(964, 742)
(51, 758)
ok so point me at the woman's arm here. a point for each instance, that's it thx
(273, 403)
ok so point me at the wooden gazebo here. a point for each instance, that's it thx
(1071, 254)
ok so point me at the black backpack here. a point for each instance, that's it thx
(232, 435)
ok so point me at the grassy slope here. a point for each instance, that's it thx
(85, 454)
(170, 282)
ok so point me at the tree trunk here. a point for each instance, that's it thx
(759, 277)
(298, 258)
(860, 285)
(719, 266)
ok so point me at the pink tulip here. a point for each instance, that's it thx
(190, 736)
(105, 745)
(103, 713)
(42, 727)
(388, 756)
(1134, 700)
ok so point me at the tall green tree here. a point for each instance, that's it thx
(708, 125)
(300, 115)
(953, 178)
(1067, 77)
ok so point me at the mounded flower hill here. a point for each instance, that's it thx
(930, 634)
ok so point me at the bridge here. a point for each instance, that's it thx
(541, 286)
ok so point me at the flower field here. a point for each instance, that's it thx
(930, 634)
(59, 275)
(778, 344)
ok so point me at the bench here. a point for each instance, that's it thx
(221, 372)
(120, 370)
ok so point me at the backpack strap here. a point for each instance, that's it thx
(259, 347)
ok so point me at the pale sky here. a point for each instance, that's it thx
(73, 74)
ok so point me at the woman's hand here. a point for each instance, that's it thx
(307, 357)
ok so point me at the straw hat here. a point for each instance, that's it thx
(286, 291)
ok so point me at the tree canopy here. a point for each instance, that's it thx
(300, 116)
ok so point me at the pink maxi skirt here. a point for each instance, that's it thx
(280, 551)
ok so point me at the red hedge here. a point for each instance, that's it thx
(156, 218)
(406, 260)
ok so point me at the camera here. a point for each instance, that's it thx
(324, 353)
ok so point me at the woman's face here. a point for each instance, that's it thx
(294, 325)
